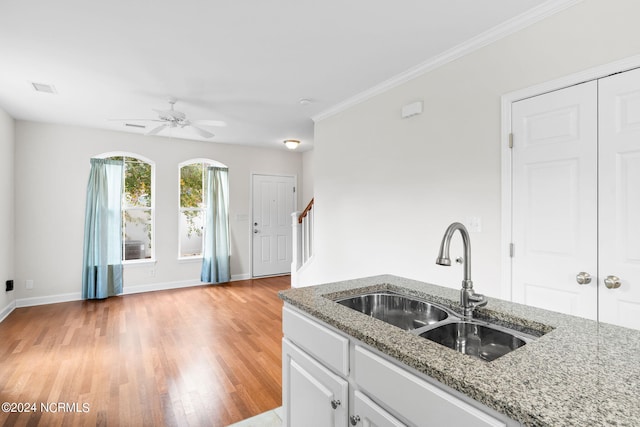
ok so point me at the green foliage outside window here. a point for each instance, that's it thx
(192, 195)
(137, 193)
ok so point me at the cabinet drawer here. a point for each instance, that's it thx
(325, 345)
(415, 399)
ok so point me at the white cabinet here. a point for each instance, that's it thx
(312, 395)
(330, 379)
(367, 413)
(576, 200)
(331, 348)
(419, 402)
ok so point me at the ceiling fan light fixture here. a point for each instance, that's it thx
(171, 119)
(291, 144)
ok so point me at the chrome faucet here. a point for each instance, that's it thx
(468, 299)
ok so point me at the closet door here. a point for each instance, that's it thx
(619, 199)
(555, 200)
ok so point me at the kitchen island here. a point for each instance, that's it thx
(577, 373)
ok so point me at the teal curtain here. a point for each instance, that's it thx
(102, 260)
(215, 262)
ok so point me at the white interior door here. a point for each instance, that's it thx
(619, 198)
(273, 203)
(555, 200)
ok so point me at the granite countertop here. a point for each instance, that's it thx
(579, 373)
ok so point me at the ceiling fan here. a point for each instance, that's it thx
(172, 118)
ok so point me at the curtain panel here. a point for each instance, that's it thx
(215, 262)
(102, 258)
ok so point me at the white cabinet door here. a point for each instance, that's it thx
(312, 396)
(619, 192)
(419, 402)
(555, 200)
(273, 203)
(368, 414)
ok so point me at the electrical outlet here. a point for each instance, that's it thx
(474, 224)
(28, 284)
(9, 285)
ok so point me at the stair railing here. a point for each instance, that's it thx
(302, 236)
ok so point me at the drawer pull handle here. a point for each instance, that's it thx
(335, 404)
(355, 419)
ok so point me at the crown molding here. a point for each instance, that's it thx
(492, 35)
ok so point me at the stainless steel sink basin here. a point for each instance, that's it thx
(487, 342)
(477, 338)
(399, 310)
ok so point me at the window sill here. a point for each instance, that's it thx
(138, 262)
(190, 259)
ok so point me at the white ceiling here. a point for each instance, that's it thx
(247, 62)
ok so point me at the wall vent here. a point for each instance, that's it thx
(43, 87)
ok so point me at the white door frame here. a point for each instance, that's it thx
(251, 221)
(507, 190)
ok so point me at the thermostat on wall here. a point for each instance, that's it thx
(412, 109)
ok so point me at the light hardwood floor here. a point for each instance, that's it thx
(201, 356)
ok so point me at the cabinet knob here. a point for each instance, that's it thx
(335, 403)
(583, 278)
(612, 282)
(355, 419)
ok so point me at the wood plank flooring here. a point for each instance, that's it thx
(201, 356)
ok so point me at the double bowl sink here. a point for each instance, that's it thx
(477, 338)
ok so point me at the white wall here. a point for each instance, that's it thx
(387, 188)
(7, 240)
(307, 178)
(52, 169)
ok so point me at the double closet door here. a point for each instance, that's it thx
(576, 200)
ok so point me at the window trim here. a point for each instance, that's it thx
(152, 206)
(209, 162)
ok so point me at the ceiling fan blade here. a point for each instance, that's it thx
(202, 132)
(156, 130)
(135, 120)
(218, 123)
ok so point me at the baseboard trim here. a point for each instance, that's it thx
(136, 289)
(50, 299)
(7, 310)
(128, 290)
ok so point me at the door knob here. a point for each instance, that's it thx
(612, 282)
(583, 278)
(255, 231)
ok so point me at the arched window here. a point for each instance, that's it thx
(137, 206)
(192, 206)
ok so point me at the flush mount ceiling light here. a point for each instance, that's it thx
(291, 144)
